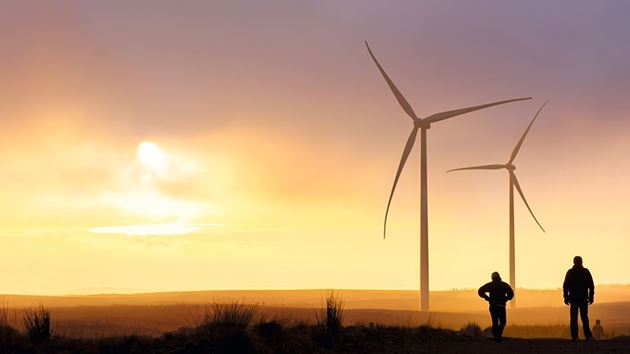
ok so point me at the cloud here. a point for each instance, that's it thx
(152, 229)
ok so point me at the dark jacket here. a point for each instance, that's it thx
(578, 285)
(500, 292)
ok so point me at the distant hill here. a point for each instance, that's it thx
(441, 301)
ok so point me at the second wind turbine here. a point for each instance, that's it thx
(509, 167)
(422, 124)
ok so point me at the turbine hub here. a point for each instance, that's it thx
(510, 167)
(421, 123)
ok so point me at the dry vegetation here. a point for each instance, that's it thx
(37, 324)
(235, 327)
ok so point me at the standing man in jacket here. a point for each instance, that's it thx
(579, 292)
(497, 293)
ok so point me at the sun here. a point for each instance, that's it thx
(152, 156)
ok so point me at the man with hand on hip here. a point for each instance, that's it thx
(497, 293)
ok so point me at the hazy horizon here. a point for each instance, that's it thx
(131, 291)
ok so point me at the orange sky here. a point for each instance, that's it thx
(259, 143)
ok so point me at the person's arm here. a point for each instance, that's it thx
(565, 287)
(591, 287)
(482, 292)
(509, 292)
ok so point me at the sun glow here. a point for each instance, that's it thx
(152, 156)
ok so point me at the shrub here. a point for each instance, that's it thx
(37, 324)
(472, 329)
(234, 314)
(271, 332)
(8, 334)
(224, 329)
(331, 314)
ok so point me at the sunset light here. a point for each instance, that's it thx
(152, 156)
(152, 230)
(404, 153)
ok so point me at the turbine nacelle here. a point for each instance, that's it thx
(510, 167)
(421, 124)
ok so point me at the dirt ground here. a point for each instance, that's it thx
(523, 346)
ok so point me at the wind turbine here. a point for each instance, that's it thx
(422, 124)
(509, 167)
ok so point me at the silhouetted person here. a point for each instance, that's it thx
(598, 330)
(579, 292)
(499, 292)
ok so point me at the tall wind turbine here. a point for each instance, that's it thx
(422, 124)
(509, 167)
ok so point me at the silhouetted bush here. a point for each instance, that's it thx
(8, 334)
(5, 325)
(224, 328)
(234, 315)
(331, 314)
(271, 331)
(37, 324)
(472, 329)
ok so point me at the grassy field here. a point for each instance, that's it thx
(262, 322)
(540, 313)
(99, 321)
(240, 328)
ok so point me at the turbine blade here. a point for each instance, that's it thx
(520, 142)
(482, 167)
(520, 191)
(449, 114)
(399, 96)
(408, 146)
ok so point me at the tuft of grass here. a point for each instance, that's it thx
(37, 324)
(4, 315)
(225, 327)
(234, 314)
(472, 329)
(196, 316)
(8, 334)
(331, 314)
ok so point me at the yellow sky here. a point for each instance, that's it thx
(265, 210)
(179, 151)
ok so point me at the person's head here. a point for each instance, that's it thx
(577, 260)
(598, 322)
(495, 276)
